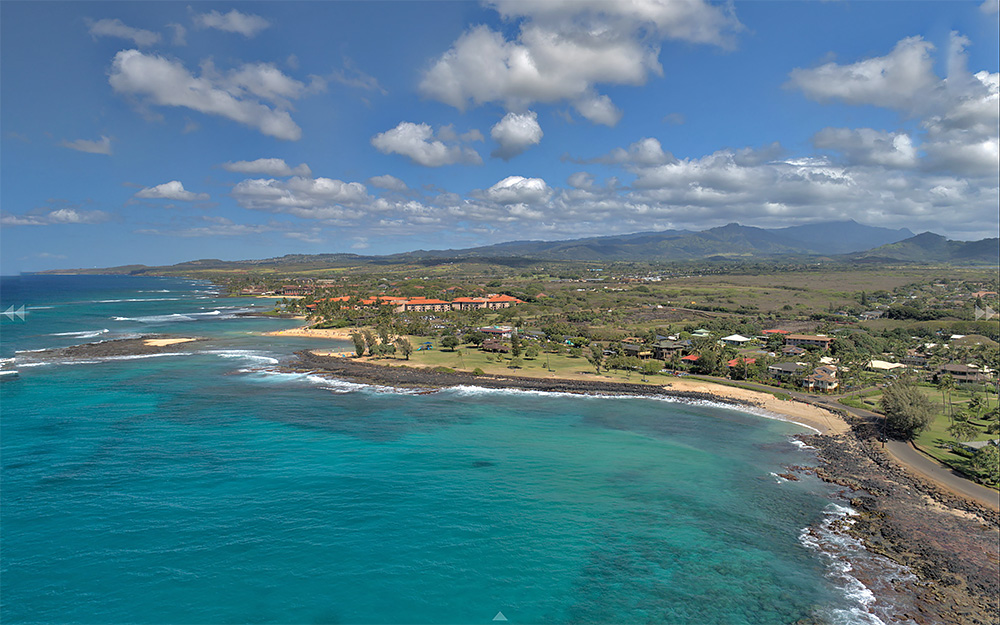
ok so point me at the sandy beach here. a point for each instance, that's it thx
(165, 342)
(343, 334)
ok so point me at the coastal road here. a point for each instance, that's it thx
(902, 452)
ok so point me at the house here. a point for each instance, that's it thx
(782, 370)
(769, 332)
(701, 333)
(690, 358)
(914, 358)
(809, 340)
(736, 340)
(792, 350)
(884, 367)
(964, 373)
(639, 351)
(663, 350)
(426, 305)
(821, 379)
(498, 332)
(735, 362)
(869, 315)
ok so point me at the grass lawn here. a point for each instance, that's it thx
(468, 358)
(935, 441)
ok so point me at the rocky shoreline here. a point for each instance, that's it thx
(950, 544)
(114, 348)
(422, 378)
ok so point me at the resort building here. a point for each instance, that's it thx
(809, 340)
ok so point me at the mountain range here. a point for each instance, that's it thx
(840, 241)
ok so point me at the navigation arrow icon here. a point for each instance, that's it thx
(10, 313)
(500, 617)
(988, 314)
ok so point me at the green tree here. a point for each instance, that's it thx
(371, 341)
(450, 342)
(531, 352)
(404, 346)
(947, 383)
(962, 428)
(987, 462)
(907, 410)
(595, 356)
(359, 343)
(651, 367)
(515, 345)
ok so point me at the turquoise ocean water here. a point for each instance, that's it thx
(209, 487)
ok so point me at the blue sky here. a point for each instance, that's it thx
(158, 132)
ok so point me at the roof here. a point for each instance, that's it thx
(776, 332)
(882, 365)
(736, 338)
(736, 361)
(809, 337)
(691, 357)
(789, 367)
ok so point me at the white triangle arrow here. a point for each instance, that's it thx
(9, 313)
(500, 617)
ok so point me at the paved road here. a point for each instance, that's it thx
(902, 452)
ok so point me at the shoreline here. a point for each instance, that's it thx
(946, 541)
(398, 374)
(341, 334)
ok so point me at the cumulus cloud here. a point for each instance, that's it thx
(564, 49)
(518, 190)
(388, 182)
(419, 143)
(310, 198)
(101, 146)
(990, 7)
(117, 28)
(57, 216)
(267, 167)
(959, 115)
(890, 81)
(158, 81)
(515, 133)
(172, 190)
(643, 153)
(248, 25)
(866, 146)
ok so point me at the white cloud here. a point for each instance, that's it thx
(351, 76)
(57, 216)
(180, 34)
(419, 144)
(989, 7)
(866, 146)
(643, 153)
(959, 115)
(518, 190)
(388, 182)
(117, 28)
(248, 25)
(564, 49)
(515, 133)
(319, 198)
(267, 167)
(891, 81)
(101, 146)
(159, 81)
(172, 190)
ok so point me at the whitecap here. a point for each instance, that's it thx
(838, 550)
(86, 334)
(245, 354)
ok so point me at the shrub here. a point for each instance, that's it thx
(478, 371)
(443, 370)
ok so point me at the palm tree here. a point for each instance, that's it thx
(947, 383)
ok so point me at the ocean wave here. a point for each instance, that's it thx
(85, 334)
(137, 299)
(841, 553)
(801, 445)
(95, 361)
(246, 354)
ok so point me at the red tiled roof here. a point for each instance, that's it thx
(776, 332)
(736, 361)
(691, 357)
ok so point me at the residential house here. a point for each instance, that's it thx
(663, 350)
(735, 340)
(964, 373)
(821, 379)
(809, 340)
(792, 350)
(784, 370)
(639, 351)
